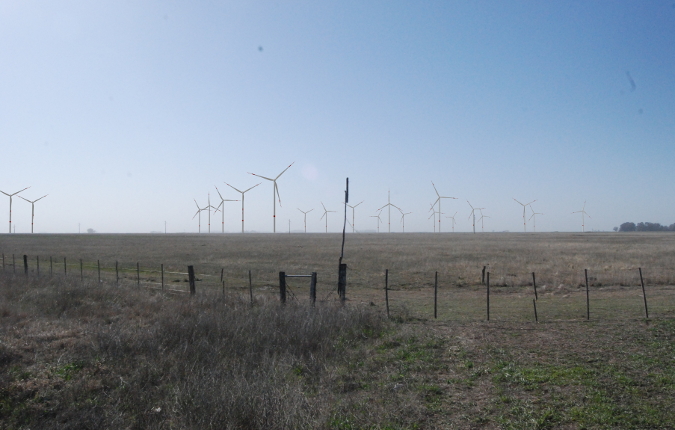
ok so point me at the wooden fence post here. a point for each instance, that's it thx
(250, 286)
(436, 296)
(25, 264)
(191, 279)
(534, 303)
(282, 287)
(488, 296)
(312, 289)
(534, 285)
(342, 282)
(588, 302)
(644, 295)
(482, 276)
(386, 289)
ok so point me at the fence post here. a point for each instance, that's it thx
(342, 282)
(162, 268)
(534, 284)
(138, 274)
(534, 303)
(386, 289)
(221, 274)
(436, 296)
(38, 265)
(117, 274)
(250, 286)
(25, 264)
(482, 276)
(98, 266)
(588, 302)
(312, 289)
(191, 278)
(488, 296)
(644, 295)
(282, 287)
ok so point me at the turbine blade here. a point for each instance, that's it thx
(235, 188)
(518, 202)
(261, 176)
(219, 195)
(432, 183)
(289, 166)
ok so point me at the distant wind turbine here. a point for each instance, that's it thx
(275, 195)
(525, 205)
(453, 221)
(482, 217)
(209, 207)
(534, 219)
(10, 205)
(242, 201)
(325, 214)
(305, 212)
(354, 207)
(389, 205)
(403, 219)
(473, 214)
(199, 212)
(379, 220)
(222, 204)
(583, 214)
(438, 200)
(32, 209)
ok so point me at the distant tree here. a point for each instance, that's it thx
(627, 226)
(91, 231)
(616, 229)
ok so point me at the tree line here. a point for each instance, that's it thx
(644, 226)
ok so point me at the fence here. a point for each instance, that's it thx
(435, 294)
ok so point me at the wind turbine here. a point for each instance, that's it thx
(10, 205)
(433, 214)
(473, 214)
(325, 214)
(242, 201)
(389, 205)
(199, 212)
(534, 218)
(222, 203)
(209, 207)
(525, 206)
(482, 224)
(354, 207)
(379, 220)
(583, 220)
(453, 221)
(275, 194)
(305, 217)
(32, 209)
(403, 219)
(438, 200)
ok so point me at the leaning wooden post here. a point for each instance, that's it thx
(644, 295)
(534, 303)
(488, 296)
(117, 274)
(191, 279)
(482, 276)
(162, 270)
(25, 264)
(342, 282)
(436, 296)
(534, 285)
(282, 287)
(386, 289)
(312, 289)
(138, 274)
(98, 266)
(250, 286)
(588, 302)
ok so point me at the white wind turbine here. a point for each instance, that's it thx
(222, 203)
(482, 223)
(524, 207)
(305, 216)
(199, 212)
(583, 214)
(473, 214)
(438, 200)
(534, 218)
(32, 209)
(379, 220)
(325, 214)
(354, 207)
(209, 207)
(453, 221)
(242, 201)
(275, 194)
(433, 214)
(389, 205)
(403, 219)
(10, 205)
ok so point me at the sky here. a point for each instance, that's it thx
(124, 112)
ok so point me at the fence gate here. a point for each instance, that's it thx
(312, 286)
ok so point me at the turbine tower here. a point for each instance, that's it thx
(438, 200)
(403, 219)
(325, 214)
(482, 224)
(354, 207)
(199, 212)
(242, 201)
(524, 207)
(222, 203)
(433, 214)
(275, 194)
(379, 220)
(389, 205)
(10, 205)
(453, 221)
(209, 207)
(583, 219)
(473, 214)
(32, 210)
(534, 218)
(305, 216)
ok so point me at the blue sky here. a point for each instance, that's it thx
(123, 112)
